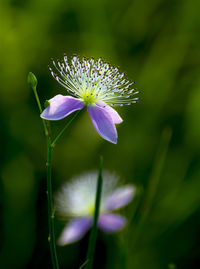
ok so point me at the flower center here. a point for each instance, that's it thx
(91, 209)
(89, 96)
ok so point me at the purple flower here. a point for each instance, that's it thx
(76, 202)
(96, 85)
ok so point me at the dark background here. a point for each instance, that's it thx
(156, 43)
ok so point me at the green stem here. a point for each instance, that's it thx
(63, 130)
(82, 266)
(40, 109)
(51, 237)
(93, 234)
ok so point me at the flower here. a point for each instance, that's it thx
(76, 202)
(96, 85)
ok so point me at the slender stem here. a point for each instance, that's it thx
(63, 130)
(93, 234)
(40, 109)
(32, 80)
(51, 237)
(82, 266)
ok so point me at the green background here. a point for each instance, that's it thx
(156, 43)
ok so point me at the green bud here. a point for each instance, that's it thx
(32, 80)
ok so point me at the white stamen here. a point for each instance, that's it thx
(92, 81)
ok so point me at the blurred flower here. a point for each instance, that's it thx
(96, 85)
(76, 201)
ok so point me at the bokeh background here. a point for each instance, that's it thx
(156, 42)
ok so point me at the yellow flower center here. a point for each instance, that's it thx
(89, 96)
(91, 209)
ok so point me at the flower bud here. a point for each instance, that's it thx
(32, 80)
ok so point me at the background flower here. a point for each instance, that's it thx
(76, 201)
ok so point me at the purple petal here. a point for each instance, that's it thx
(74, 230)
(60, 107)
(119, 198)
(103, 123)
(112, 112)
(111, 223)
